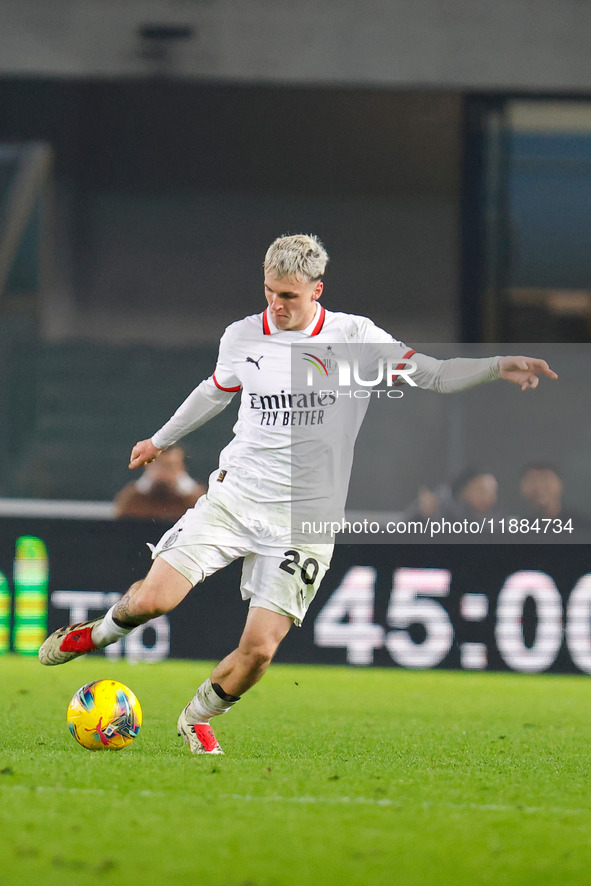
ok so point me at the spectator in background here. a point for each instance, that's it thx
(542, 489)
(164, 491)
(471, 496)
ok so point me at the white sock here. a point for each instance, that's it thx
(208, 703)
(107, 631)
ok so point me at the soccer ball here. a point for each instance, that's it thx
(104, 715)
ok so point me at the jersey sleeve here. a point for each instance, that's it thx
(457, 374)
(207, 400)
(443, 376)
(370, 334)
(377, 343)
(224, 376)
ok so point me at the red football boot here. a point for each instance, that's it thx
(68, 643)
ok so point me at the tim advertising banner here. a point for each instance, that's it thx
(477, 607)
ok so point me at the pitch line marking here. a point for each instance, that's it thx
(385, 801)
(317, 801)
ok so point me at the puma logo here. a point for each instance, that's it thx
(256, 362)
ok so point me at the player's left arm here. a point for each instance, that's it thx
(457, 373)
(525, 371)
(460, 373)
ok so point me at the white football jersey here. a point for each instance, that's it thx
(297, 423)
(294, 439)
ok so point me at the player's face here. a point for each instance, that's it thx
(292, 303)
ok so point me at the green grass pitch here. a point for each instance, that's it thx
(331, 776)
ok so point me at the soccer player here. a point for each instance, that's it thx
(246, 510)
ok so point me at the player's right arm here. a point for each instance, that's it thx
(143, 453)
(202, 404)
(206, 401)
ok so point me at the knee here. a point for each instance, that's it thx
(147, 602)
(150, 606)
(258, 656)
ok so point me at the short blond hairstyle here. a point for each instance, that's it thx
(301, 256)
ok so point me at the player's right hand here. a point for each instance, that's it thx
(143, 453)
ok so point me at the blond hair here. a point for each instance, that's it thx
(300, 255)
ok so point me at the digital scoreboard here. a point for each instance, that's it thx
(523, 608)
(433, 620)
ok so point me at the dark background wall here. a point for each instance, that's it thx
(176, 163)
(168, 193)
(442, 44)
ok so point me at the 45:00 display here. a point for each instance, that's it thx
(420, 632)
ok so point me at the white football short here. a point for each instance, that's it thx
(275, 574)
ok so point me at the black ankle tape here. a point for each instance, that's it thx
(223, 695)
(126, 624)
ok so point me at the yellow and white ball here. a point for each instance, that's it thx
(104, 715)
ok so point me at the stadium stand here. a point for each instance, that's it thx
(92, 402)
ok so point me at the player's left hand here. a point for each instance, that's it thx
(525, 371)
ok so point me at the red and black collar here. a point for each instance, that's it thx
(318, 323)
